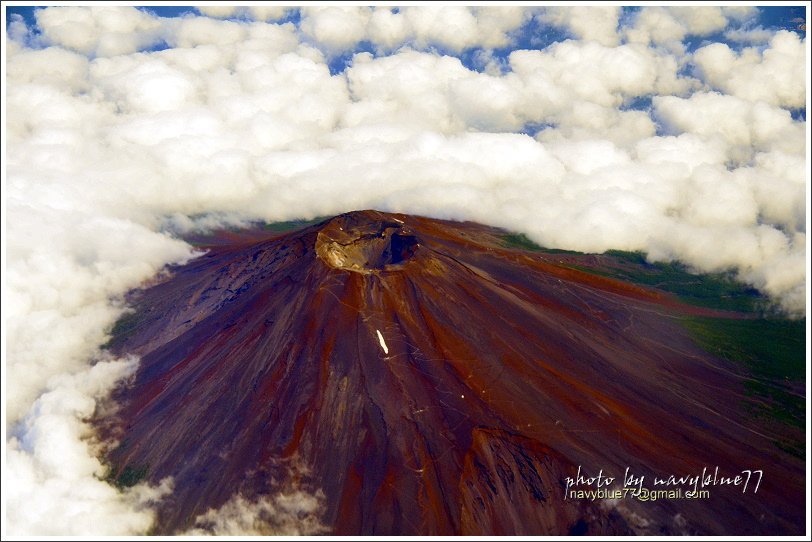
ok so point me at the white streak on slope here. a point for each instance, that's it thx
(383, 343)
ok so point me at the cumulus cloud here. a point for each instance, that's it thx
(756, 36)
(740, 14)
(748, 126)
(661, 25)
(457, 28)
(578, 89)
(588, 120)
(292, 513)
(193, 31)
(774, 76)
(256, 13)
(16, 29)
(69, 266)
(408, 88)
(111, 145)
(99, 31)
(586, 22)
(218, 12)
(55, 484)
(53, 67)
(267, 13)
(700, 21)
(336, 28)
(452, 28)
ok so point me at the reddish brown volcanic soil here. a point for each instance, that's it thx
(422, 379)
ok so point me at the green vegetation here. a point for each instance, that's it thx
(770, 347)
(773, 351)
(128, 477)
(520, 240)
(798, 451)
(637, 257)
(291, 225)
(711, 290)
(122, 329)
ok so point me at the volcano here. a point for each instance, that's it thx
(413, 376)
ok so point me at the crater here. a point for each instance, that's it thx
(366, 242)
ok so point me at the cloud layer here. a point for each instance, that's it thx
(122, 126)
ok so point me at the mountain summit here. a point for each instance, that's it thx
(413, 376)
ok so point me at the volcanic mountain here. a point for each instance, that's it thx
(418, 377)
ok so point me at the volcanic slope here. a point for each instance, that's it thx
(416, 377)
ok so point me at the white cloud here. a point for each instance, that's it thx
(496, 24)
(719, 198)
(218, 12)
(779, 186)
(388, 30)
(661, 25)
(451, 28)
(740, 14)
(408, 87)
(268, 13)
(193, 31)
(587, 23)
(587, 120)
(749, 126)
(52, 472)
(338, 29)
(701, 21)
(686, 151)
(774, 76)
(656, 25)
(54, 66)
(602, 75)
(145, 87)
(256, 12)
(291, 513)
(17, 31)
(763, 256)
(99, 31)
(756, 36)
(459, 28)
(485, 103)
(783, 272)
(601, 154)
(67, 265)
